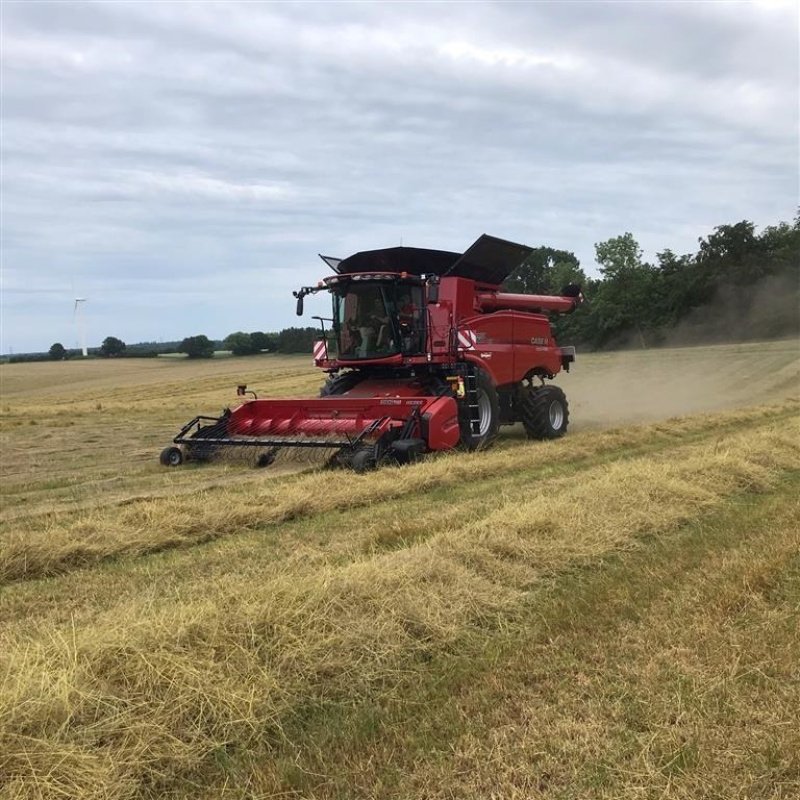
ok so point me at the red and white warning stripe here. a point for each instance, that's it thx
(320, 350)
(467, 339)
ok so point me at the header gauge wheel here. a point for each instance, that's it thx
(171, 457)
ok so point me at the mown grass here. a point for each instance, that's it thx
(610, 615)
(53, 543)
(665, 671)
(79, 435)
(160, 689)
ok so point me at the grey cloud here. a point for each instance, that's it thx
(194, 158)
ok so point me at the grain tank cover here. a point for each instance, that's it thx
(413, 260)
(488, 260)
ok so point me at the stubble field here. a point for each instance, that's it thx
(612, 615)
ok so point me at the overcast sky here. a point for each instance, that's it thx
(181, 165)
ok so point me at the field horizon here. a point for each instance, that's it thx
(613, 614)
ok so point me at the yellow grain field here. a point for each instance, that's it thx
(609, 615)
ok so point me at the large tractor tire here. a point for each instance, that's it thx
(543, 410)
(489, 408)
(340, 384)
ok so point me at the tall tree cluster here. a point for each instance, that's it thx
(739, 284)
(246, 344)
(289, 340)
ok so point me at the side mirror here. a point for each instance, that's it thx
(433, 292)
(300, 306)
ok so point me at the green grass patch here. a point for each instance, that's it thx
(569, 649)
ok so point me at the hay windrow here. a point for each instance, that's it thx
(151, 692)
(59, 543)
(232, 632)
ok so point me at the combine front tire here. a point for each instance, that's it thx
(171, 457)
(340, 384)
(544, 411)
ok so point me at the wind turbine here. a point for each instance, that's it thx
(80, 323)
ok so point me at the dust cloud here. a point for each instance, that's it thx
(769, 309)
(726, 354)
(611, 389)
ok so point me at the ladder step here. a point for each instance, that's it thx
(471, 386)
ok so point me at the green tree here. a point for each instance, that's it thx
(239, 343)
(263, 341)
(781, 245)
(112, 347)
(682, 288)
(197, 347)
(536, 275)
(57, 351)
(733, 254)
(564, 273)
(297, 340)
(736, 274)
(624, 299)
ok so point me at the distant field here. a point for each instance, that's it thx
(610, 615)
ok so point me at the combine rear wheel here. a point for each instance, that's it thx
(543, 410)
(488, 413)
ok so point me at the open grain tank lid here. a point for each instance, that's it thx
(488, 260)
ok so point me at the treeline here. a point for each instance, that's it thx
(287, 341)
(112, 347)
(739, 285)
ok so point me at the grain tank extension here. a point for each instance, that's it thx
(423, 353)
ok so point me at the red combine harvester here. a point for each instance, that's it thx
(423, 353)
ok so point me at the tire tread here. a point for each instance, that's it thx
(533, 410)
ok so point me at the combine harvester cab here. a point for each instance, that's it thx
(423, 353)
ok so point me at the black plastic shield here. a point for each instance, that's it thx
(489, 260)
